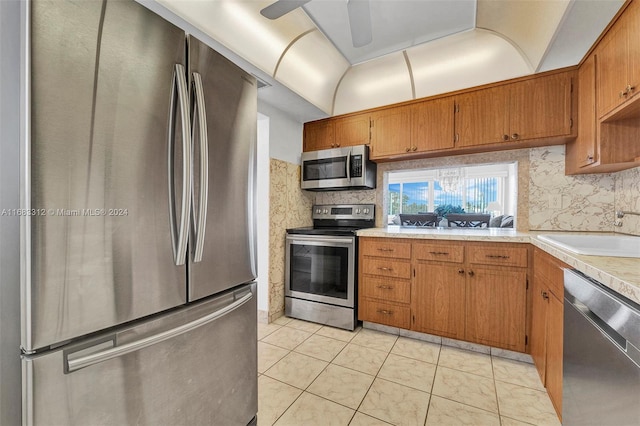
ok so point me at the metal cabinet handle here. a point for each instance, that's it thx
(95, 358)
(384, 312)
(544, 295)
(505, 137)
(630, 88)
(415, 148)
(385, 249)
(589, 157)
(201, 113)
(338, 145)
(408, 149)
(471, 273)
(382, 268)
(461, 271)
(385, 287)
(179, 96)
(439, 253)
(515, 136)
(496, 256)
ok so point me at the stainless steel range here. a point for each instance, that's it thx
(321, 271)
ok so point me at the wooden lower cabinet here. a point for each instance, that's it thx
(497, 307)
(547, 323)
(462, 290)
(437, 295)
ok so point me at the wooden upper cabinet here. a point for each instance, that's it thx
(584, 150)
(352, 130)
(482, 117)
(540, 107)
(432, 125)
(336, 132)
(319, 135)
(390, 132)
(618, 65)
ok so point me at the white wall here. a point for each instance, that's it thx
(285, 134)
(263, 212)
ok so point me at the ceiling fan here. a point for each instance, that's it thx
(359, 17)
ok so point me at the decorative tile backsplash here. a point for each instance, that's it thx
(289, 207)
(587, 201)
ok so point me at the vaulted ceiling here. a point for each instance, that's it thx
(419, 48)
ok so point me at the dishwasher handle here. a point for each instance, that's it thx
(614, 315)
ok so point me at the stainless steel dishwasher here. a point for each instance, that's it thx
(601, 361)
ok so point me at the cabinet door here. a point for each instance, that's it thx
(540, 107)
(496, 307)
(482, 117)
(632, 18)
(437, 300)
(585, 144)
(539, 328)
(319, 135)
(555, 322)
(612, 69)
(432, 125)
(390, 132)
(352, 130)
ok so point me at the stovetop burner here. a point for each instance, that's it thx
(338, 219)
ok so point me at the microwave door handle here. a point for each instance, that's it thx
(349, 165)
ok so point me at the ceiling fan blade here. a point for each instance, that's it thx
(360, 22)
(281, 8)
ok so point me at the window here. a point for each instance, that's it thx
(488, 188)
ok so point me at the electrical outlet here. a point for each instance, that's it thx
(555, 201)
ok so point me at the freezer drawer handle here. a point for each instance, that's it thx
(200, 114)
(97, 357)
(179, 237)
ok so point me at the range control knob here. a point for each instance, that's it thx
(366, 211)
(318, 211)
(325, 211)
(357, 211)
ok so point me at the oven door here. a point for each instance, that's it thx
(321, 268)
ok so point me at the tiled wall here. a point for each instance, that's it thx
(588, 201)
(290, 207)
(628, 198)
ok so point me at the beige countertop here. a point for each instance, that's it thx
(621, 274)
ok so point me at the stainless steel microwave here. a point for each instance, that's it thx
(338, 169)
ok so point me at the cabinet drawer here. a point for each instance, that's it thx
(385, 289)
(385, 247)
(498, 255)
(439, 252)
(386, 267)
(384, 313)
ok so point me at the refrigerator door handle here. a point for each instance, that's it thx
(114, 352)
(179, 237)
(200, 114)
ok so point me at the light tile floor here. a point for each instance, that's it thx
(316, 375)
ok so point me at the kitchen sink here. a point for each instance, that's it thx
(596, 245)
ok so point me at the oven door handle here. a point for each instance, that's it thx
(331, 240)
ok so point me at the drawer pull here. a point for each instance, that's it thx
(461, 271)
(471, 273)
(382, 268)
(385, 287)
(497, 256)
(384, 312)
(439, 253)
(385, 249)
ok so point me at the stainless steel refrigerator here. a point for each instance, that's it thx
(138, 301)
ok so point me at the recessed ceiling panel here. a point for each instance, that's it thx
(396, 25)
(464, 60)
(312, 67)
(383, 81)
